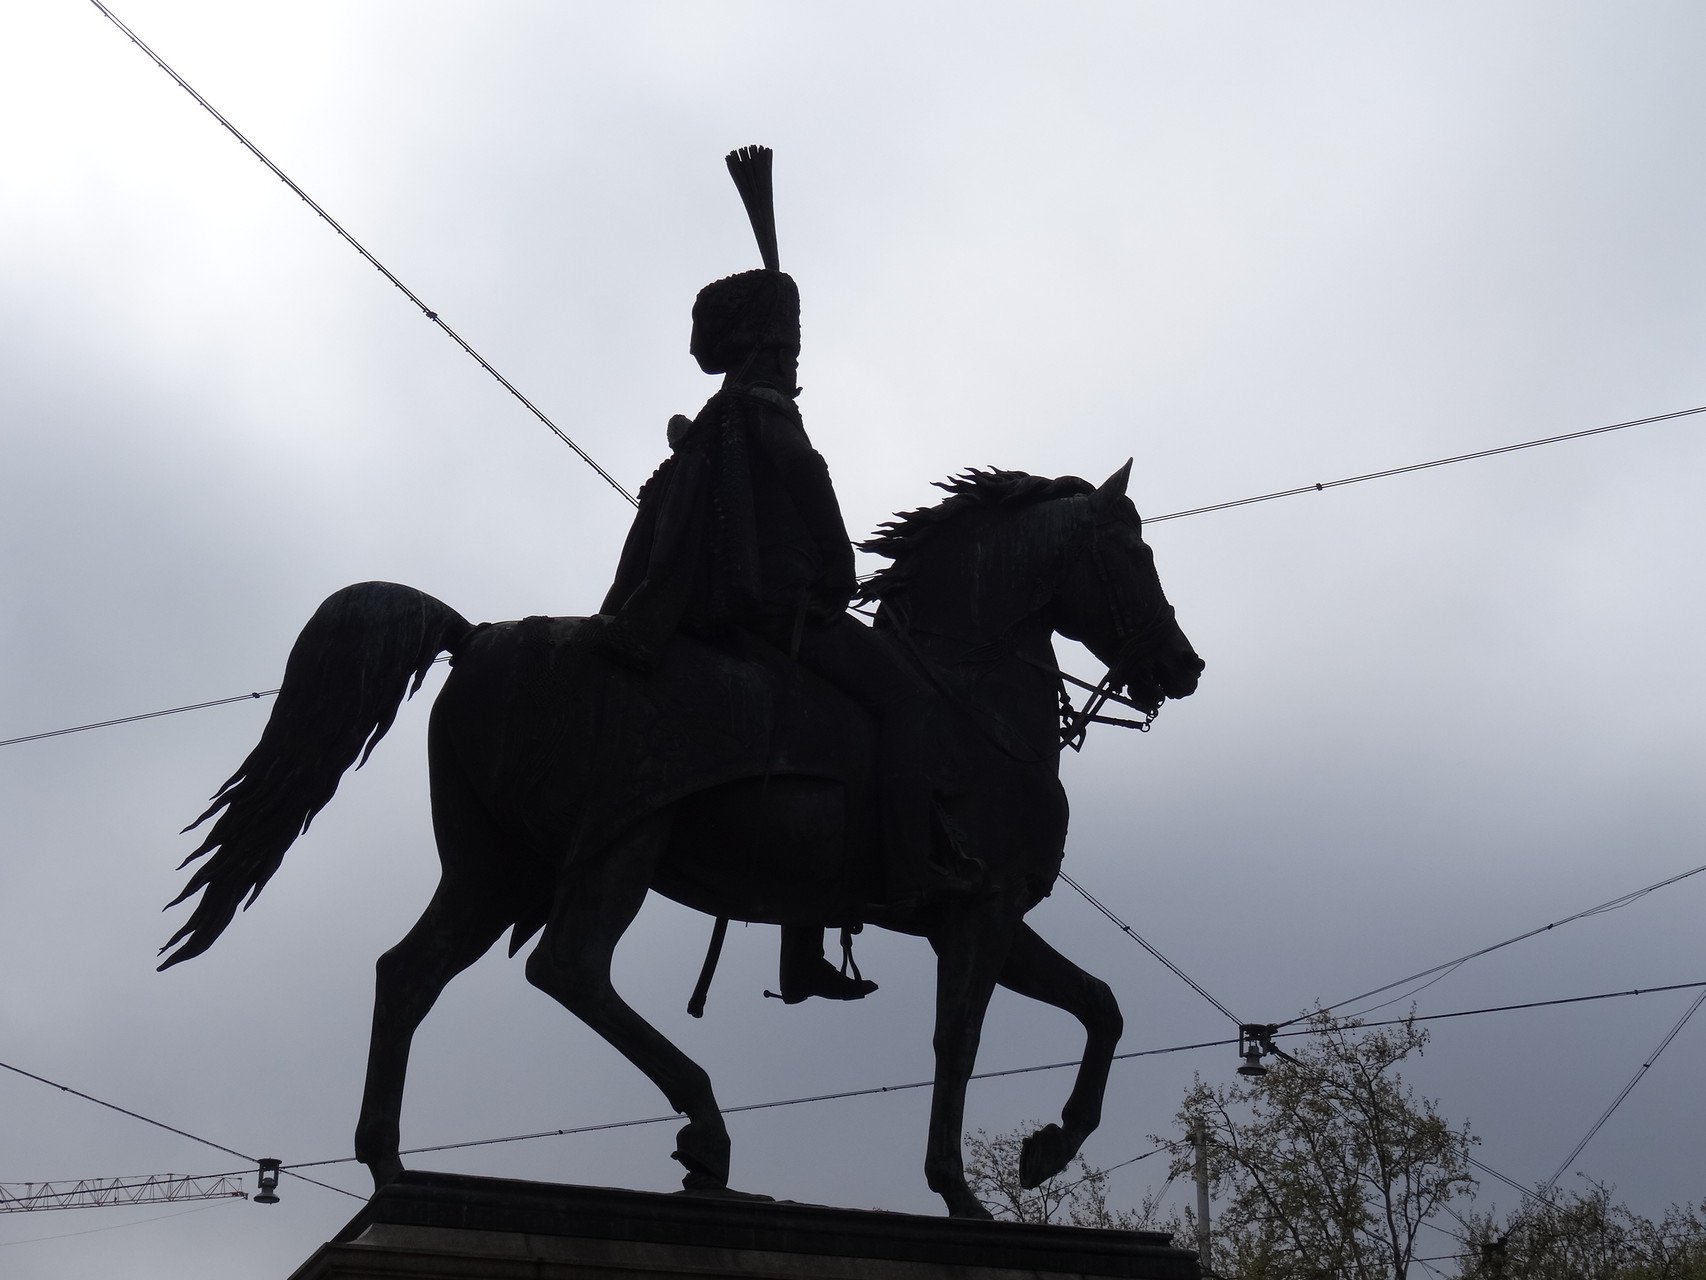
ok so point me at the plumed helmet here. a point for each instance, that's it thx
(736, 316)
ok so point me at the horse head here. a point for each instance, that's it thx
(1108, 597)
(1009, 555)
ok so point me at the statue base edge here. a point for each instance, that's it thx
(446, 1226)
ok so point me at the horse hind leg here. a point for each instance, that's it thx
(1037, 970)
(458, 926)
(597, 899)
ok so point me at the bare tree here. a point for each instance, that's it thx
(1329, 1165)
(1077, 1197)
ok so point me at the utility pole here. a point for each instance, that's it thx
(1199, 1139)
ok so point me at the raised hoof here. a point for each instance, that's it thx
(1044, 1154)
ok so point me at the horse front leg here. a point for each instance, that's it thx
(598, 897)
(971, 950)
(1037, 970)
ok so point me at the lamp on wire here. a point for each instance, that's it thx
(1255, 1041)
(267, 1180)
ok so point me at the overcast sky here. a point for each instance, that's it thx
(1253, 245)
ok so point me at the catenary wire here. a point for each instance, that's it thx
(1441, 971)
(161, 1124)
(766, 1106)
(867, 1092)
(587, 458)
(151, 715)
(1175, 515)
(1611, 905)
(1424, 466)
(1505, 1008)
(146, 715)
(355, 244)
(1627, 1090)
(1131, 933)
(873, 1090)
(1530, 1192)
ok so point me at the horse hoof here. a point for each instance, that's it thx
(705, 1153)
(698, 1185)
(385, 1171)
(1043, 1155)
(971, 1207)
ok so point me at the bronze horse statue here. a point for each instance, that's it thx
(565, 788)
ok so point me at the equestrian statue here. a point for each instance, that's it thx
(725, 732)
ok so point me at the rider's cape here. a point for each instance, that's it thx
(740, 521)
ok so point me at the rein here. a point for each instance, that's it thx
(1074, 722)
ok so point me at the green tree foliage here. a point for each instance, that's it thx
(1328, 1165)
(1587, 1236)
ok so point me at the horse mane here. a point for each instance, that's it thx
(972, 490)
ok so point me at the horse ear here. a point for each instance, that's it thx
(1113, 488)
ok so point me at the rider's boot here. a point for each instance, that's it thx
(805, 973)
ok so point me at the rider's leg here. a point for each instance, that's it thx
(851, 657)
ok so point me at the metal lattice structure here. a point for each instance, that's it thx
(84, 1193)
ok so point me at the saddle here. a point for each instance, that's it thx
(592, 747)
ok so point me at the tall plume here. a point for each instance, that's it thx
(750, 168)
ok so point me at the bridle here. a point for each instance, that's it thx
(1133, 641)
(1075, 722)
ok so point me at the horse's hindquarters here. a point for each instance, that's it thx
(774, 850)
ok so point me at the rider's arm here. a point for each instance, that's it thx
(806, 477)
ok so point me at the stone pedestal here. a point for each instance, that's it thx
(439, 1226)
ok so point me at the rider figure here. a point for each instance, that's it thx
(740, 527)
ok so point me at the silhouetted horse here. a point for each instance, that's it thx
(731, 781)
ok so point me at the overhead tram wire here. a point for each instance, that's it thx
(430, 314)
(851, 1093)
(1423, 466)
(146, 715)
(874, 1090)
(1441, 970)
(1136, 937)
(161, 1124)
(1175, 515)
(1506, 1008)
(152, 715)
(1627, 1090)
(355, 244)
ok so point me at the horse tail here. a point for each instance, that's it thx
(346, 677)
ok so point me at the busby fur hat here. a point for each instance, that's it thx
(739, 314)
(736, 316)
